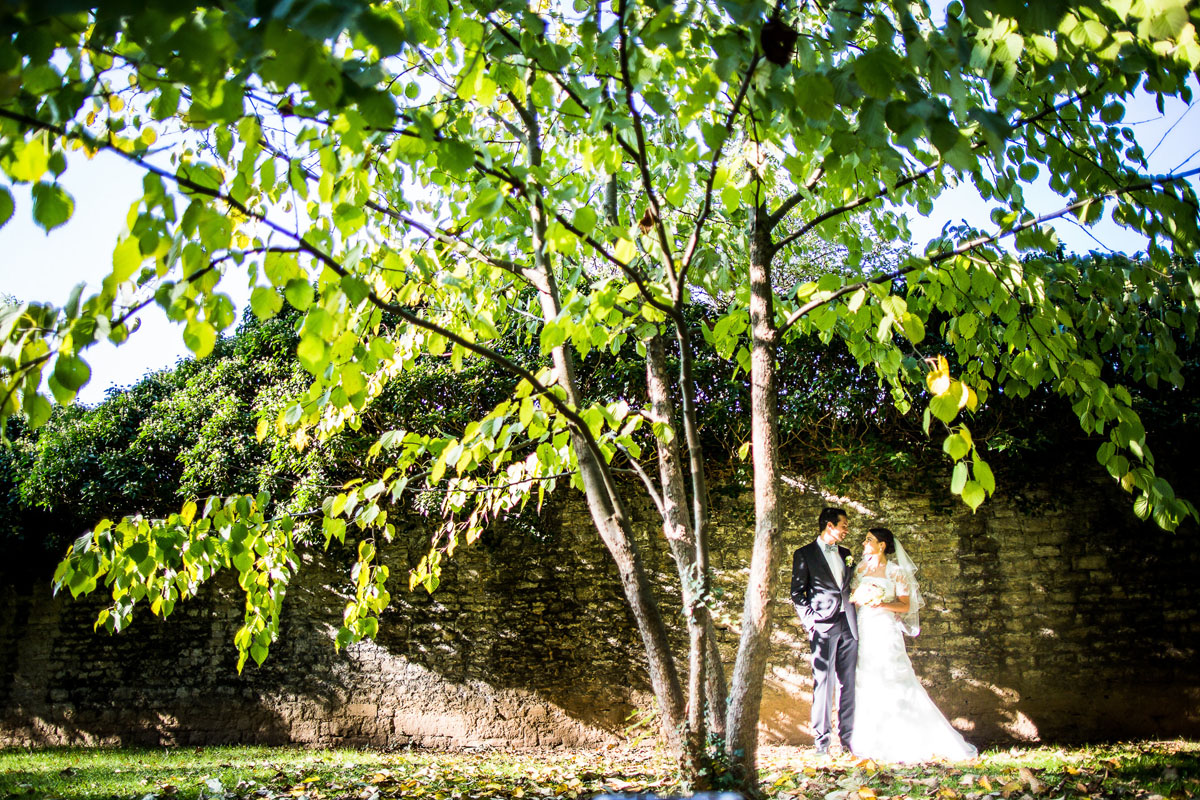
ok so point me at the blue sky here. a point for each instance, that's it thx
(44, 267)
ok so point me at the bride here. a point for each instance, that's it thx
(895, 720)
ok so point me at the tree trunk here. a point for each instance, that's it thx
(706, 679)
(604, 501)
(745, 696)
(612, 523)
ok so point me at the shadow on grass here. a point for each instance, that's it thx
(1138, 771)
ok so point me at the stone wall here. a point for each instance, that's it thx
(1052, 614)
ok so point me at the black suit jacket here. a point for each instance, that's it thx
(818, 599)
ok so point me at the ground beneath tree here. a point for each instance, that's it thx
(1162, 770)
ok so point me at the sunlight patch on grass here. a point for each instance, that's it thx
(1138, 771)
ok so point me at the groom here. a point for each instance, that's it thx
(821, 593)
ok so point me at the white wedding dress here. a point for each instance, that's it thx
(894, 719)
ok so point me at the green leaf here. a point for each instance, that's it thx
(356, 289)
(7, 206)
(37, 409)
(956, 446)
(199, 336)
(875, 72)
(71, 372)
(625, 251)
(127, 257)
(944, 407)
(585, 219)
(52, 206)
(383, 30)
(973, 494)
(1141, 506)
(815, 96)
(265, 302)
(914, 328)
(959, 478)
(311, 353)
(455, 157)
(299, 294)
(30, 162)
(983, 474)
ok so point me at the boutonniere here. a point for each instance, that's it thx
(849, 561)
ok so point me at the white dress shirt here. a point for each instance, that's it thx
(834, 559)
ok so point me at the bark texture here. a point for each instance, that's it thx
(745, 697)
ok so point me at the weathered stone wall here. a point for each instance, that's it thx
(1052, 614)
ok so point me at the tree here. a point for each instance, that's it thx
(421, 178)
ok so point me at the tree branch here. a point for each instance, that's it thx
(914, 177)
(333, 264)
(980, 241)
(640, 156)
(706, 207)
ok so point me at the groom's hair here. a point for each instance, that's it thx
(887, 537)
(828, 516)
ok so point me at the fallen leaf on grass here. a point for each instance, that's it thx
(1011, 788)
(1035, 786)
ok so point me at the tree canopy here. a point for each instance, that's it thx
(424, 178)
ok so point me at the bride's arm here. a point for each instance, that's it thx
(900, 605)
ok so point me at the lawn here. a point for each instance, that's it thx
(1137, 771)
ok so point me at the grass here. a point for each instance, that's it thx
(1130, 771)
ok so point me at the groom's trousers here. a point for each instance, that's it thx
(834, 656)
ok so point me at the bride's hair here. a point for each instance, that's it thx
(886, 537)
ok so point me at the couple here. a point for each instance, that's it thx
(855, 617)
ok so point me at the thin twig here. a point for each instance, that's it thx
(980, 241)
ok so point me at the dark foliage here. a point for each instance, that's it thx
(190, 431)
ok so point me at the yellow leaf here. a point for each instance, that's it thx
(938, 378)
(115, 103)
(625, 251)
(866, 793)
(263, 428)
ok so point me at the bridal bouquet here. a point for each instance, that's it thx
(869, 592)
